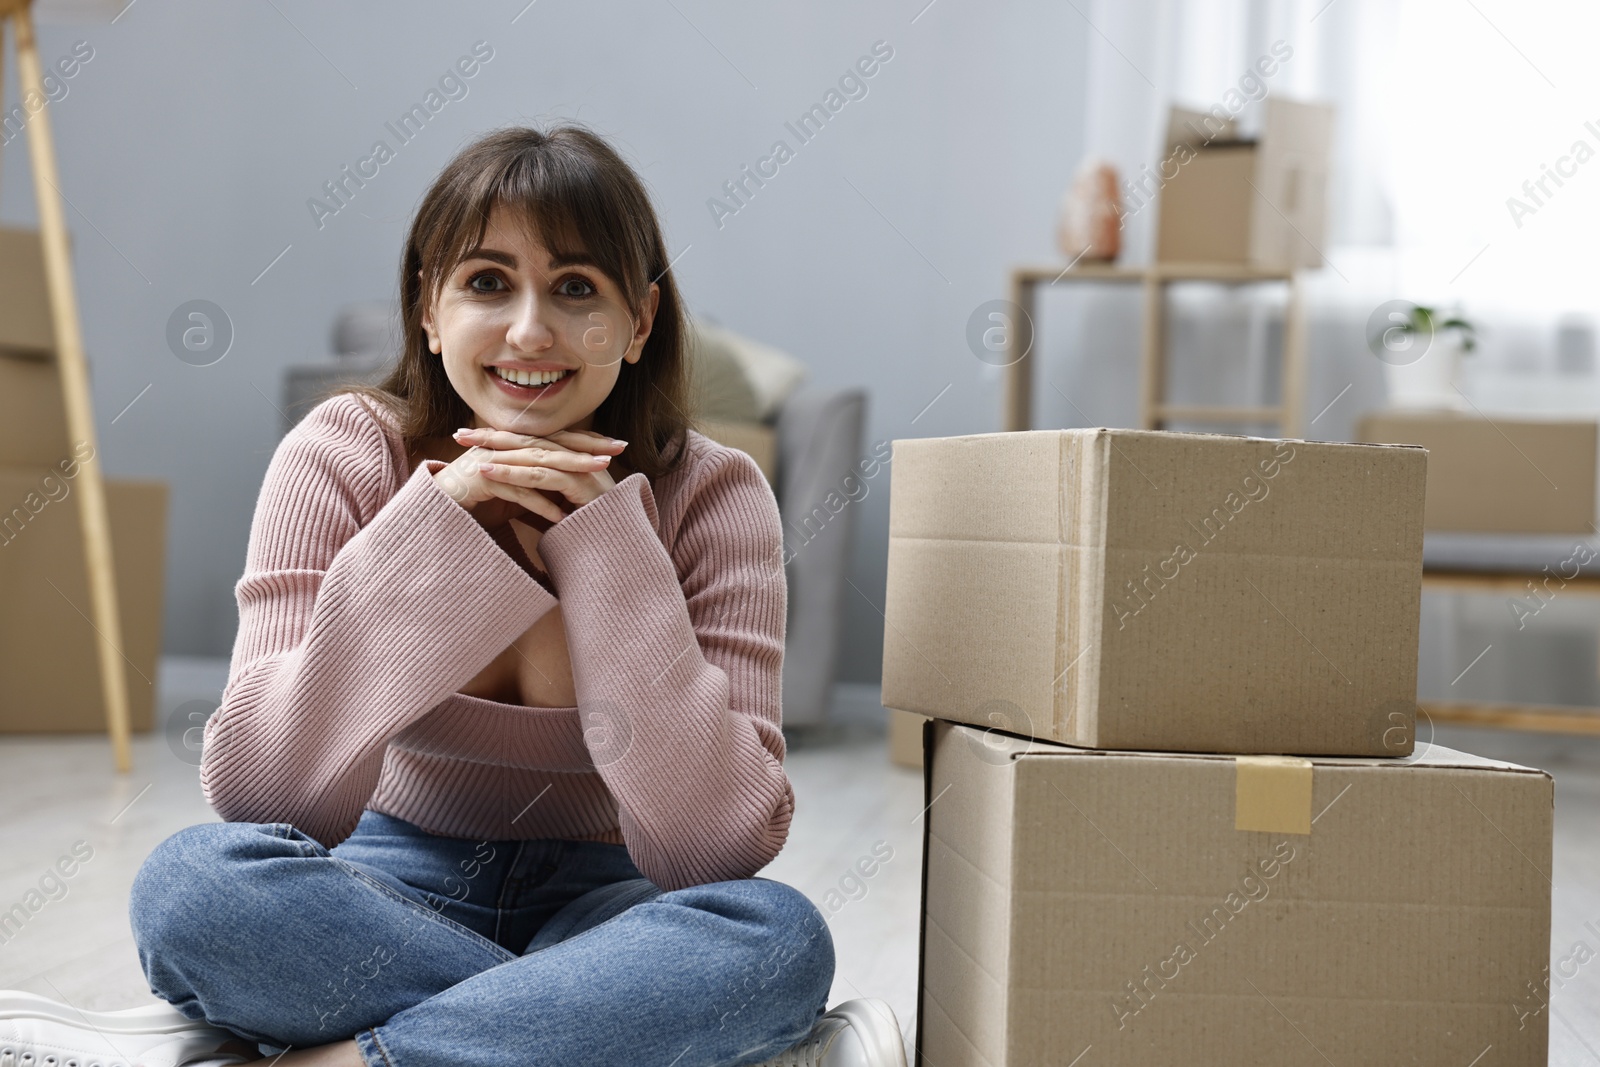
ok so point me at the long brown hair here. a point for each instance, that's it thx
(580, 196)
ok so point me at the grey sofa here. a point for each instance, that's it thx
(820, 440)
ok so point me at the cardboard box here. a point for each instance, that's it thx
(33, 412)
(1508, 475)
(1196, 129)
(1205, 910)
(49, 662)
(25, 324)
(1206, 211)
(1154, 590)
(905, 738)
(754, 438)
(1260, 202)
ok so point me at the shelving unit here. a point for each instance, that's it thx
(1537, 718)
(1154, 411)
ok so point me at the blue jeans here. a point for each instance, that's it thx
(433, 951)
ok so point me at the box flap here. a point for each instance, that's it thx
(967, 873)
(1008, 745)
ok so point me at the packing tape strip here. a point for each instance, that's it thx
(1272, 793)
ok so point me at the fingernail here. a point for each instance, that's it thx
(463, 431)
(618, 441)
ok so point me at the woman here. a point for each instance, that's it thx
(499, 754)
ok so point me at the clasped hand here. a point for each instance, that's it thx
(504, 475)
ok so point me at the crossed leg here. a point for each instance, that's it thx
(259, 929)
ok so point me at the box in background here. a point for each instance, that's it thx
(1259, 202)
(1214, 911)
(1152, 590)
(1508, 475)
(25, 324)
(756, 439)
(33, 413)
(49, 655)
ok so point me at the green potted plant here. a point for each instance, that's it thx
(1434, 342)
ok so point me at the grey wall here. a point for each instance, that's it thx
(191, 142)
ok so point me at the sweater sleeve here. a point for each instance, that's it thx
(677, 665)
(354, 621)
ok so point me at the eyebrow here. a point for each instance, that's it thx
(564, 259)
(492, 255)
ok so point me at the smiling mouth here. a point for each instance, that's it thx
(530, 379)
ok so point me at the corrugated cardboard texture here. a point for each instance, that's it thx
(49, 662)
(1147, 590)
(1500, 476)
(1104, 901)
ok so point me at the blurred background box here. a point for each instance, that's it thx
(49, 662)
(25, 324)
(33, 414)
(1261, 202)
(1505, 475)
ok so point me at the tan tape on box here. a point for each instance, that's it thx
(1272, 793)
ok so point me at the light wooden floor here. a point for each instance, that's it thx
(55, 792)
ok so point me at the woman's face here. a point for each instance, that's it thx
(558, 328)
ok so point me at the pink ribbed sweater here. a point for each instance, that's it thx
(370, 597)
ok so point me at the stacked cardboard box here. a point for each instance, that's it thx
(1176, 808)
(49, 663)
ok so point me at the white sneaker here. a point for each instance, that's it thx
(38, 1032)
(857, 1033)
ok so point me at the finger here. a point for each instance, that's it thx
(555, 459)
(570, 440)
(535, 455)
(579, 489)
(587, 441)
(500, 440)
(532, 499)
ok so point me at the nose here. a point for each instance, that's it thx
(527, 331)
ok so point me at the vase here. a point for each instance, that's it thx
(1430, 381)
